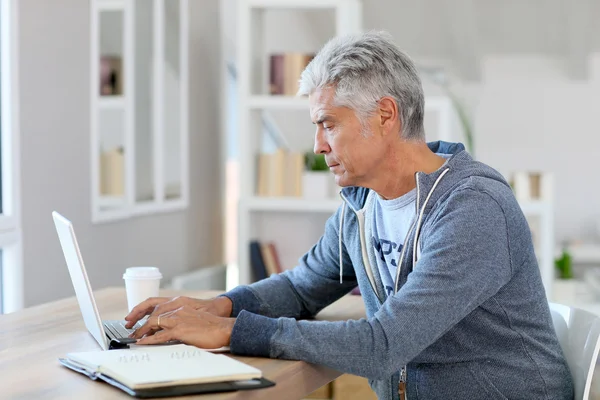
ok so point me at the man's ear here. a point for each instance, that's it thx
(388, 114)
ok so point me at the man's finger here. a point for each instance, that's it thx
(141, 310)
(154, 323)
(150, 326)
(167, 307)
(159, 337)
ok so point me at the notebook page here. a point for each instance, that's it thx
(156, 366)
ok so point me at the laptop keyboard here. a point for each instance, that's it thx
(116, 329)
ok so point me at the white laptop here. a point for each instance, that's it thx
(103, 331)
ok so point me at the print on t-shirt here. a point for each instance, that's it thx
(387, 252)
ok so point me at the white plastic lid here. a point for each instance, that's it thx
(142, 273)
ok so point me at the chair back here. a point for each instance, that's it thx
(578, 332)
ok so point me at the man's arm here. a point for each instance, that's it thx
(305, 290)
(298, 293)
(463, 264)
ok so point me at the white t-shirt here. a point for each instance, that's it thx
(391, 221)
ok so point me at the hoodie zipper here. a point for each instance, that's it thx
(402, 384)
(360, 216)
(416, 227)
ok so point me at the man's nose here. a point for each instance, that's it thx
(321, 145)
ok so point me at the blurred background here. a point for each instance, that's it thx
(169, 133)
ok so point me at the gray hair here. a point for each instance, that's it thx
(364, 68)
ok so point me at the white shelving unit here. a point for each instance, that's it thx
(252, 100)
(141, 121)
(585, 254)
(111, 102)
(542, 212)
(535, 192)
(277, 103)
(290, 204)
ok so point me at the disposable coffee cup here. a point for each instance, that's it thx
(140, 284)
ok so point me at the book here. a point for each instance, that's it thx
(112, 172)
(269, 260)
(151, 370)
(293, 169)
(285, 70)
(277, 171)
(280, 174)
(276, 74)
(256, 261)
(264, 163)
(275, 256)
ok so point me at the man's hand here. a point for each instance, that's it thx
(190, 326)
(155, 306)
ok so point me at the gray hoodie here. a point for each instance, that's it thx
(469, 318)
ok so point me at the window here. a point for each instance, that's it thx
(11, 287)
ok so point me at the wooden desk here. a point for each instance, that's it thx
(33, 339)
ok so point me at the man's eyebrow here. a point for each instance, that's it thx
(322, 119)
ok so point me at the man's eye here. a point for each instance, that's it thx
(328, 127)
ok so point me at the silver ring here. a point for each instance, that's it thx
(159, 321)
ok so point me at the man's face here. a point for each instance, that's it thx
(350, 152)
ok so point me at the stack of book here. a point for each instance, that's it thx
(112, 172)
(264, 260)
(285, 71)
(280, 174)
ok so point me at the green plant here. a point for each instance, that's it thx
(564, 265)
(315, 162)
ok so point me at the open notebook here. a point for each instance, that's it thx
(159, 371)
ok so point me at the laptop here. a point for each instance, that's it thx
(105, 332)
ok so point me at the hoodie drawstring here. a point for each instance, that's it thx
(418, 228)
(340, 238)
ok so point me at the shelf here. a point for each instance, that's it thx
(301, 103)
(331, 205)
(111, 5)
(114, 209)
(588, 253)
(295, 3)
(111, 201)
(278, 102)
(291, 204)
(111, 102)
(437, 102)
(535, 207)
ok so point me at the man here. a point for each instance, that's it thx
(436, 241)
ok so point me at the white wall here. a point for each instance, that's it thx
(529, 116)
(144, 77)
(55, 121)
